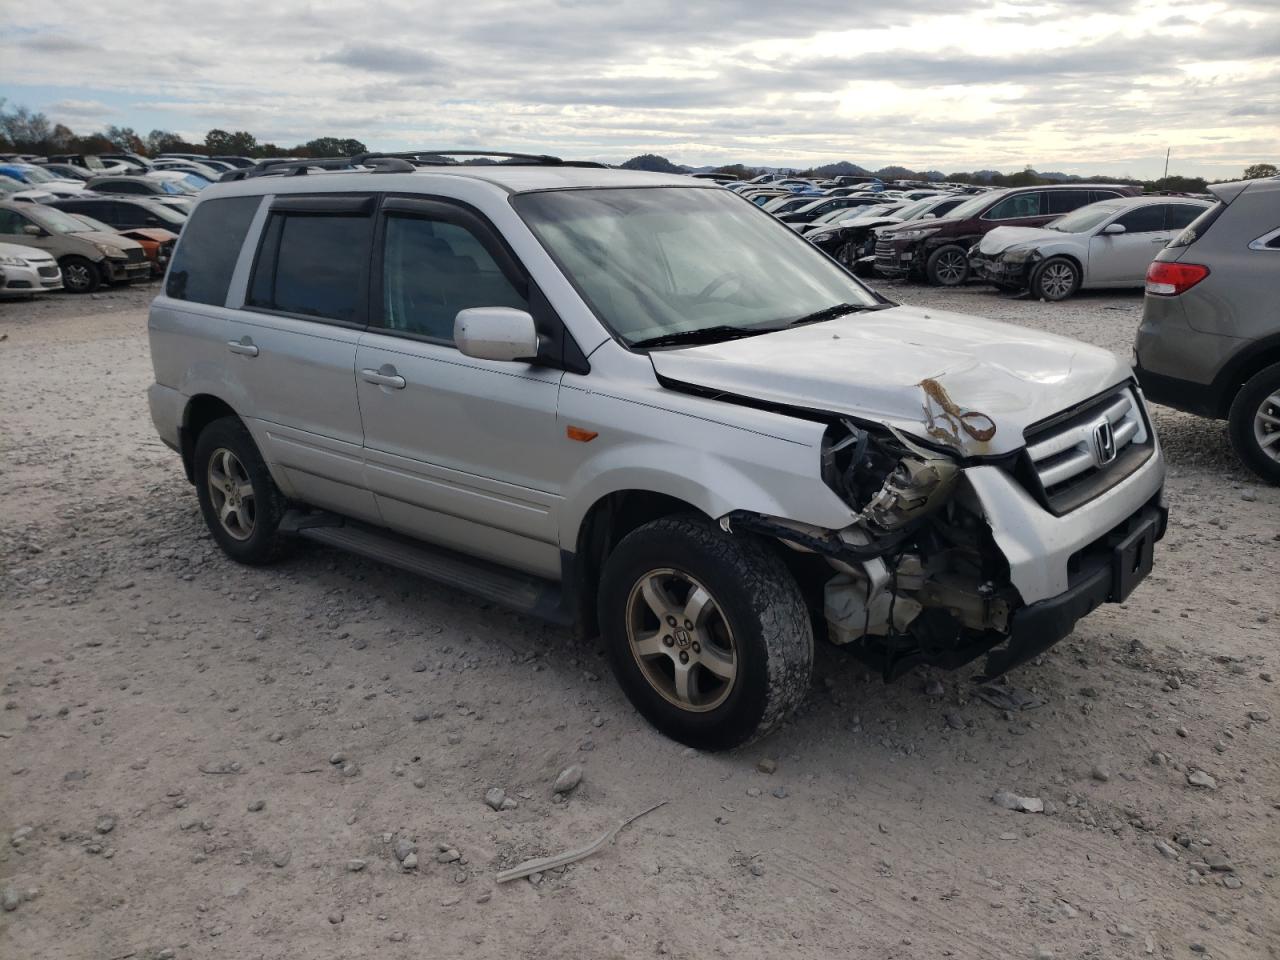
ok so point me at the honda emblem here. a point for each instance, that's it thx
(1104, 443)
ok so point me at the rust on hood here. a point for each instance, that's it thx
(945, 419)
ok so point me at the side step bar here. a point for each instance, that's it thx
(513, 589)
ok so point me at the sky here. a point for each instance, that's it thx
(1081, 86)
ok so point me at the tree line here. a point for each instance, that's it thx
(26, 131)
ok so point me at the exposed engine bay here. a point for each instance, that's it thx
(917, 577)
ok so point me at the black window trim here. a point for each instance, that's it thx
(559, 350)
(361, 205)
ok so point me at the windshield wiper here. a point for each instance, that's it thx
(715, 334)
(836, 310)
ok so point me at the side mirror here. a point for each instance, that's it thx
(32, 230)
(496, 333)
(930, 216)
(153, 221)
(1113, 228)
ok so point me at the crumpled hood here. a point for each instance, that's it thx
(1002, 238)
(962, 381)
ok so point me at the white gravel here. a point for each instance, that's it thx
(149, 682)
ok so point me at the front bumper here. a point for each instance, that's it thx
(895, 260)
(1104, 572)
(118, 271)
(994, 268)
(29, 280)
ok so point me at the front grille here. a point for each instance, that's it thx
(1078, 455)
(50, 271)
(885, 254)
(135, 254)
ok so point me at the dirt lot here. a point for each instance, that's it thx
(200, 760)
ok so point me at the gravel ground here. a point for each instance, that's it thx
(202, 760)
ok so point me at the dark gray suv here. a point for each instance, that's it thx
(1210, 336)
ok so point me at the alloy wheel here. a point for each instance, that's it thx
(77, 277)
(681, 640)
(231, 493)
(1266, 426)
(1056, 280)
(951, 268)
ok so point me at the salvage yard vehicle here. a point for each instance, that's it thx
(939, 251)
(88, 260)
(128, 212)
(38, 178)
(1209, 342)
(26, 271)
(851, 239)
(1103, 245)
(636, 404)
(156, 243)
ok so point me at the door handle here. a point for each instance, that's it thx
(384, 376)
(244, 346)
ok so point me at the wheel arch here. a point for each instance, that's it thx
(1242, 368)
(610, 518)
(200, 411)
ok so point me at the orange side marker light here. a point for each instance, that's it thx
(581, 435)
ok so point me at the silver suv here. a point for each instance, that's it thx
(1210, 336)
(640, 405)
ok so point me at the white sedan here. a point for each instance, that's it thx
(26, 271)
(1105, 244)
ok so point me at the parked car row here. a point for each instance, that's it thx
(101, 219)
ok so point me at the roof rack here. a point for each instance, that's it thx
(399, 162)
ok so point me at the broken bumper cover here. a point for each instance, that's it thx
(1000, 270)
(1106, 572)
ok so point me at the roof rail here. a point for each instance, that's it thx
(400, 162)
(443, 158)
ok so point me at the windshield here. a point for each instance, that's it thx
(974, 206)
(163, 212)
(913, 210)
(36, 175)
(195, 180)
(11, 186)
(657, 261)
(55, 221)
(1084, 219)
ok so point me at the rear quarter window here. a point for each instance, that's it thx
(1199, 226)
(206, 256)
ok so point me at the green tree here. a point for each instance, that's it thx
(331, 147)
(653, 163)
(124, 138)
(1259, 170)
(240, 143)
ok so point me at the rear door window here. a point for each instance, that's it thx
(1064, 201)
(202, 265)
(313, 264)
(1148, 219)
(1179, 215)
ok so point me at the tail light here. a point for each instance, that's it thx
(1173, 279)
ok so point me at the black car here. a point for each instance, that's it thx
(69, 171)
(137, 186)
(821, 206)
(853, 240)
(125, 213)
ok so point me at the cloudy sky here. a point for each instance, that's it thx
(1075, 85)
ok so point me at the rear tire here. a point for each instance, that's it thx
(79, 275)
(240, 502)
(1254, 423)
(706, 632)
(948, 266)
(1055, 279)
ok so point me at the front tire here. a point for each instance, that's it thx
(80, 275)
(706, 632)
(1055, 279)
(240, 502)
(1254, 423)
(948, 266)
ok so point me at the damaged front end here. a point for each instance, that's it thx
(916, 578)
(1009, 268)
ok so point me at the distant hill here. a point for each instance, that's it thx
(653, 163)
